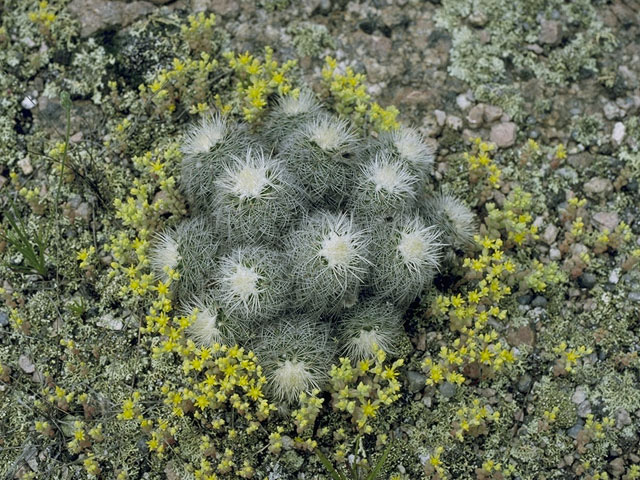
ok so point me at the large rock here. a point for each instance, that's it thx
(503, 134)
(96, 16)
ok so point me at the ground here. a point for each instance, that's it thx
(537, 377)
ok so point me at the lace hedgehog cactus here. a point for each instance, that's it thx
(306, 239)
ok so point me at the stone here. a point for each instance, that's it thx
(617, 136)
(503, 134)
(550, 234)
(29, 102)
(608, 220)
(634, 297)
(463, 101)
(524, 383)
(454, 122)
(622, 418)
(26, 364)
(4, 319)
(478, 19)
(524, 299)
(492, 113)
(616, 467)
(416, 381)
(441, 117)
(107, 321)
(475, 115)
(83, 211)
(25, 165)
(612, 111)
(579, 395)
(575, 430)
(539, 302)
(614, 276)
(555, 254)
(550, 32)
(584, 409)
(598, 185)
(521, 336)
(96, 16)
(587, 280)
(447, 389)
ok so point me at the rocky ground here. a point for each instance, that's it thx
(553, 85)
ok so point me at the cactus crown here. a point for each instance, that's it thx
(326, 231)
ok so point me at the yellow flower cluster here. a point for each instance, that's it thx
(596, 430)
(481, 165)
(310, 406)
(473, 420)
(186, 84)
(363, 389)
(85, 255)
(568, 357)
(255, 80)
(469, 314)
(45, 15)
(542, 275)
(514, 218)
(199, 34)
(351, 99)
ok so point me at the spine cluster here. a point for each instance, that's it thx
(305, 238)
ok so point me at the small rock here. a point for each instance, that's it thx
(616, 467)
(447, 389)
(608, 220)
(26, 364)
(555, 254)
(29, 102)
(416, 381)
(587, 280)
(503, 134)
(539, 302)
(454, 122)
(550, 32)
(524, 383)
(463, 101)
(99, 15)
(25, 165)
(598, 185)
(612, 111)
(4, 319)
(634, 296)
(475, 115)
(622, 418)
(107, 321)
(492, 113)
(614, 276)
(575, 430)
(584, 409)
(478, 19)
(617, 136)
(84, 211)
(521, 336)
(579, 396)
(441, 117)
(524, 299)
(550, 234)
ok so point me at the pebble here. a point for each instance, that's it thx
(614, 276)
(107, 321)
(584, 409)
(617, 136)
(463, 101)
(555, 254)
(416, 381)
(503, 134)
(4, 319)
(634, 297)
(28, 102)
(524, 299)
(454, 122)
(550, 32)
(524, 383)
(539, 301)
(608, 220)
(550, 234)
(587, 280)
(616, 467)
(26, 364)
(99, 15)
(441, 117)
(575, 430)
(598, 185)
(622, 418)
(579, 395)
(492, 113)
(478, 19)
(475, 115)
(25, 165)
(447, 389)
(612, 111)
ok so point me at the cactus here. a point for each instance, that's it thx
(303, 231)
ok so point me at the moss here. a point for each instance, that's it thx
(310, 39)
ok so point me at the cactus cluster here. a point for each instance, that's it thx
(305, 239)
